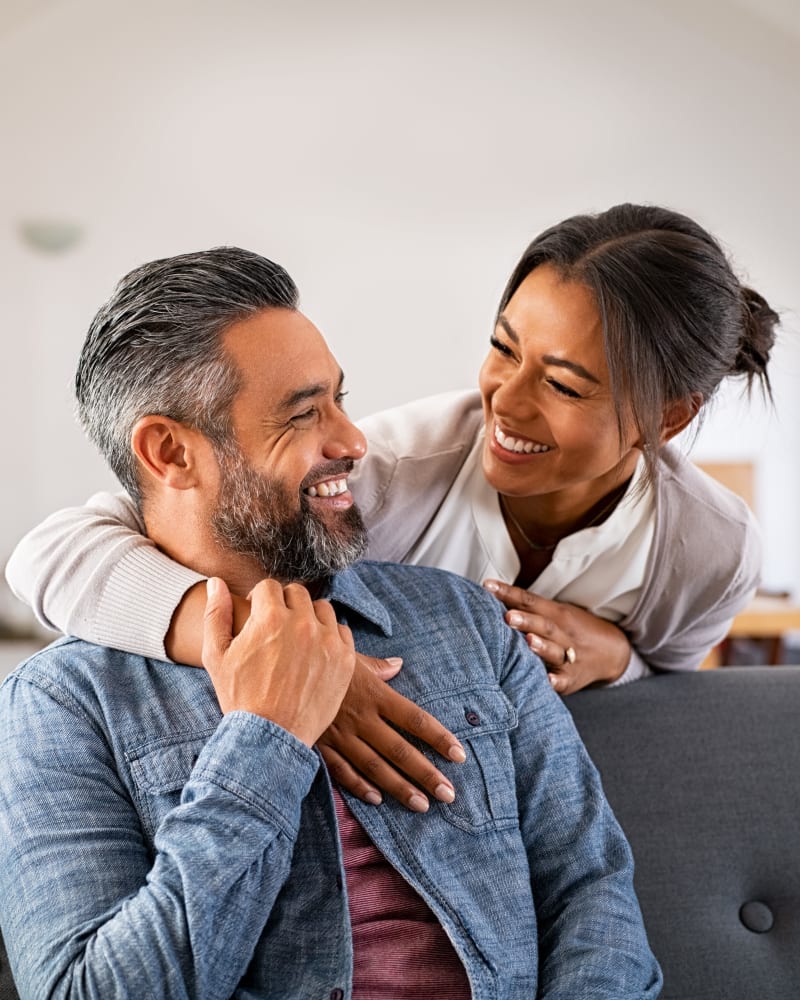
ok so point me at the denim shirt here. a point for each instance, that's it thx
(150, 847)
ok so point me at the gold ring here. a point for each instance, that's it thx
(570, 656)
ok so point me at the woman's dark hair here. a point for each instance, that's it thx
(675, 317)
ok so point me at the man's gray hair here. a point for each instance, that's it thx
(156, 348)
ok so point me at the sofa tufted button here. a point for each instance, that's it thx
(757, 917)
(472, 717)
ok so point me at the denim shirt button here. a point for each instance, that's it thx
(337, 994)
(339, 883)
(472, 717)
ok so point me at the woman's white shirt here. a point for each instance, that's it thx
(600, 568)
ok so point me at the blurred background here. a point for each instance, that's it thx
(396, 158)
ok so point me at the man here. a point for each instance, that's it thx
(171, 832)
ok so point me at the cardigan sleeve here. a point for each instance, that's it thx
(91, 572)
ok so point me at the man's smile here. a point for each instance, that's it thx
(329, 488)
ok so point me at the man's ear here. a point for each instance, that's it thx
(169, 451)
(678, 415)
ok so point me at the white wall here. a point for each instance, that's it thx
(396, 158)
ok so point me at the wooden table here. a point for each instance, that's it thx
(764, 618)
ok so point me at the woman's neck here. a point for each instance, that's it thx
(537, 524)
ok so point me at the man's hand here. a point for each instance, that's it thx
(360, 747)
(291, 663)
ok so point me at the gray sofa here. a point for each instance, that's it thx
(703, 771)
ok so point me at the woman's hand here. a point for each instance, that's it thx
(365, 754)
(577, 647)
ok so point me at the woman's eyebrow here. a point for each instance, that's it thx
(551, 359)
(572, 366)
(502, 321)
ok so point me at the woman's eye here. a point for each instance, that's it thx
(564, 390)
(498, 345)
(340, 398)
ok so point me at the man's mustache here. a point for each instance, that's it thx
(329, 470)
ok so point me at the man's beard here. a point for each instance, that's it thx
(255, 517)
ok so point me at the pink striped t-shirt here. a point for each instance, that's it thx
(400, 950)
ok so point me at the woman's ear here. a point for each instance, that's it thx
(168, 451)
(678, 415)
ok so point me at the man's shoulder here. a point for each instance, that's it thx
(423, 576)
(75, 673)
(426, 591)
(66, 655)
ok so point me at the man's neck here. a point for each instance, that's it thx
(188, 541)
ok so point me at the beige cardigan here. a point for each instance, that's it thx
(90, 572)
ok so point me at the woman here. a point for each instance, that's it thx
(556, 479)
(611, 552)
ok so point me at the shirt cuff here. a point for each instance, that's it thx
(143, 578)
(260, 763)
(636, 669)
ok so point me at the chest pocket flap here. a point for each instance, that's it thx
(481, 717)
(160, 770)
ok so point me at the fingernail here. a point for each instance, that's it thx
(456, 753)
(535, 642)
(373, 798)
(418, 804)
(514, 618)
(444, 793)
(491, 584)
(212, 586)
(395, 661)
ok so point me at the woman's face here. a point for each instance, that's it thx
(551, 425)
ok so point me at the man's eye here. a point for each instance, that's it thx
(305, 416)
(340, 398)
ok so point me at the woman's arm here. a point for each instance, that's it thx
(89, 571)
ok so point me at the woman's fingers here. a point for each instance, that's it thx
(368, 755)
(344, 774)
(553, 652)
(578, 647)
(517, 598)
(392, 768)
(384, 669)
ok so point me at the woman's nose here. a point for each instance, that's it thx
(514, 397)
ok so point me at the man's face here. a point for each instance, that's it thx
(283, 498)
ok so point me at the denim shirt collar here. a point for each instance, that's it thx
(349, 590)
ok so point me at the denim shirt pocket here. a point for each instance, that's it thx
(159, 771)
(481, 717)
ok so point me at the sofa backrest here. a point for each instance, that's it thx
(703, 772)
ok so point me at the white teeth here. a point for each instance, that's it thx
(517, 445)
(331, 489)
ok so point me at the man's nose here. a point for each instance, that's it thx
(345, 440)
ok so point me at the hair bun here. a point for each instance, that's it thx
(758, 336)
